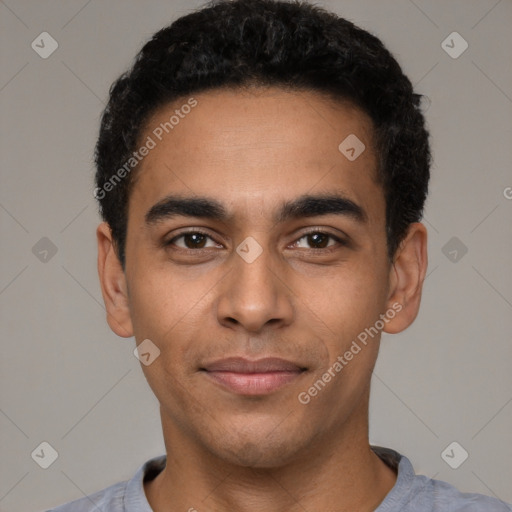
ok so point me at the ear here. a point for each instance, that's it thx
(406, 278)
(113, 284)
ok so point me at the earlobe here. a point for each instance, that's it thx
(113, 284)
(407, 275)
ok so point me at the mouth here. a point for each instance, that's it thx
(252, 378)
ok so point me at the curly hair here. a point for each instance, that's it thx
(289, 44)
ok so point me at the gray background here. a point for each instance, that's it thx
(67, 380)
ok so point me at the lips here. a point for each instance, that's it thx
(259, 377)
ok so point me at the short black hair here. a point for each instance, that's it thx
(289, 44)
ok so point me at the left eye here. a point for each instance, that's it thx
(317, 240)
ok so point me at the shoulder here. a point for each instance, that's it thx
(110, 499)
(127, 496)
(446, 497)
(418, 493)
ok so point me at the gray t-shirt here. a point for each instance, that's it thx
(411, 492)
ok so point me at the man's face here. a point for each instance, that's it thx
(286, 293)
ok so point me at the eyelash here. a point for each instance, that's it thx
(340, 241)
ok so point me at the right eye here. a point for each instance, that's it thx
(192, 240)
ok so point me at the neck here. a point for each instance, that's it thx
(341, 470)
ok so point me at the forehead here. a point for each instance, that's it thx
(259, 146)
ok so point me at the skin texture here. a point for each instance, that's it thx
(302, 300)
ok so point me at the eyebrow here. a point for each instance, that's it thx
(303, 206)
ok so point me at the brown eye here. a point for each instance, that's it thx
(317, 240)
(192, 240)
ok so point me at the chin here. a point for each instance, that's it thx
(258, 455)
(261, 450)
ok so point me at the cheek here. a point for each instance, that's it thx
(174, 312)
(350, 309)
(163, 298)
(346, 300)
(153, 306)
(170, 312)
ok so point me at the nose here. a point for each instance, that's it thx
(254, 295)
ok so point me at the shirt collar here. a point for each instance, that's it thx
(135, 498)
